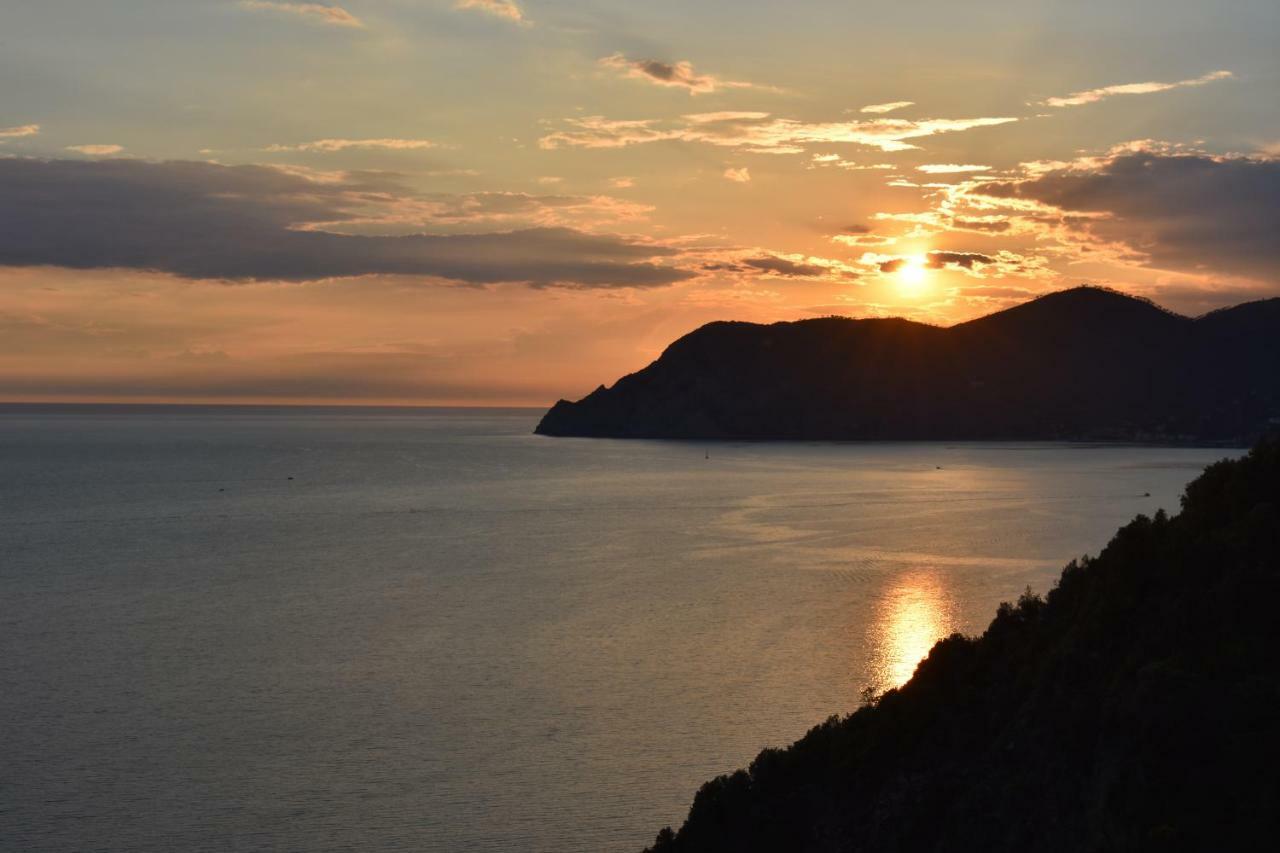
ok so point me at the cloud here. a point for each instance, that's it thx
(886, 108)
(822, 161)
(508, 9)
(974, 264)
(1163, 208)
(488, 209)
(248, 223)
(1090, 96)
(319, 13)
(962, 260)
(756, 131)
(740, 176)
(993, 224)
(96, 150)
(676, 75)
(769, 264)
(19, 132)
(785, 267)
(331, 145)
(862, 241)
(950, 168)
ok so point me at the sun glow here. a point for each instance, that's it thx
(916, 612)
(912, 276)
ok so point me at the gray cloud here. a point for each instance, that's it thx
(678, 75)
(209, 221)
(783, 266)
(964, 260)
(1180, 211)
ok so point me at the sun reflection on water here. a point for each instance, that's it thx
(916, 611)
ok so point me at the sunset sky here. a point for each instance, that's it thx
(494, 202)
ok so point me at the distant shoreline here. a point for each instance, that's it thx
(131, 408)
(285, 409)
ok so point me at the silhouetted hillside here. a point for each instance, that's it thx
(1134, 708)
(1086, 363)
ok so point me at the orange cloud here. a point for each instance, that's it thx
(886, 108)
(19, 132)
(316, 12)
(96, 150)
(1090, 96)
(508, 9)
(756, 131)
(950, 168)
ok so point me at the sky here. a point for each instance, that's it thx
(506, 202)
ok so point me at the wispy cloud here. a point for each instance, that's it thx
(331, 145)
(740, 176)
(319, 13)
(950, 168)
(508, 9)
(820, 161)
(96, 150)
(880, 109)
(1090, 96)
(675, 75)
(756, 131)
(19, 132)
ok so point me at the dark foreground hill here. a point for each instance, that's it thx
(1079, 364)
(1135, 708)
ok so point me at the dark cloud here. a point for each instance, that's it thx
(674, 74)
(856, 229)
(782, 266)
(1179, 211)
(974, 223)
(658, 70)
(243, 223)
(964, 260)
(892, 265)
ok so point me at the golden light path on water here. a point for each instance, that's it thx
(915, 612)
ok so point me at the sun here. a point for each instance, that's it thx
(912, 275)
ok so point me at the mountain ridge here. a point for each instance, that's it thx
(1085, 363)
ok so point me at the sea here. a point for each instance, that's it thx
(329, 629)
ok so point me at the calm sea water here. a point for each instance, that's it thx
(230, 629)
